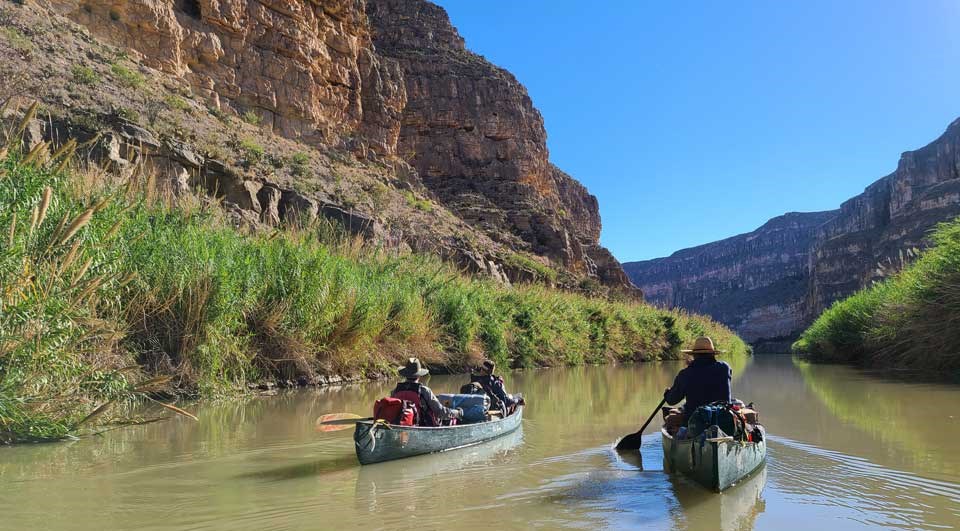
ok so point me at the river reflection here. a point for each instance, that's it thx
(847, 450)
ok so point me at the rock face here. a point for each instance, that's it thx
(382, 79)
(471, 131)
(771, 283)
(756, 282)
(892, 216)
(306, 69)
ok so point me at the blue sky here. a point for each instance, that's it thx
(694, 121)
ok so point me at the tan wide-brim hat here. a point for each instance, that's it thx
(413, 368)
(703, 345)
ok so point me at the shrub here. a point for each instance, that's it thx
(126, 76)
(252, 118)
(127, 114)
(541, 271)
(177, 103)
(218, 114)
(419, 203)
(252, 151)
(85, 75)
(17, 40)
(300, 164)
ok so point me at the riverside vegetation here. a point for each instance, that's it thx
(909, 321)
(112, 293)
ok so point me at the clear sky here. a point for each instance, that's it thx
(694, 121)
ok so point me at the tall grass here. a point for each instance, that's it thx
(910, 321)
(109, 291)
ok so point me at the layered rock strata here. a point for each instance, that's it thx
(771, 283)
(385, 80)
(479, 144)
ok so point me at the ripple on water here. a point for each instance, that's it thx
(871, 494)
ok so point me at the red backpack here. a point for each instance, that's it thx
(395, 411)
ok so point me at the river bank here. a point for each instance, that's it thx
(113, 293)
(909, 322)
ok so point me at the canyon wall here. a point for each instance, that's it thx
(771, 283)
(472, 132)
(389, 82)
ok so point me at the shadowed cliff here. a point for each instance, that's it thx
(771, 283)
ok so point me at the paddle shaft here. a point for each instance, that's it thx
(343, 421)
(634, 440)
(654, 414)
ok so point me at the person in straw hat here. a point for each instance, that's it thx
(704, 380)
(429, 409)
(492, 385)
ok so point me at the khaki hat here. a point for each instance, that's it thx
(413, 368)
(703, 345)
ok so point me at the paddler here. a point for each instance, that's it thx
(429, 409)
(705, 380)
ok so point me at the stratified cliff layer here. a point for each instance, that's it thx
(771, 283)
(756, 283)
(384, 84)
(473, 134)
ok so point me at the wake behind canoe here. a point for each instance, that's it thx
(377, 442)
(717, 463)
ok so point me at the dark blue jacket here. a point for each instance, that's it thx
(493, 385)
(705, 380)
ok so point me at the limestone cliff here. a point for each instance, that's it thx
(771, 283)
(756, 282)
(308, 70)
(473, 134)
(372, 107)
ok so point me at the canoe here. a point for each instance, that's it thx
(717, 463)
(377, 442)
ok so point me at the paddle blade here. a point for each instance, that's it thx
(337, 421)
(631, 442)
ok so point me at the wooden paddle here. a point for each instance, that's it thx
(338, 421)
(634, 440)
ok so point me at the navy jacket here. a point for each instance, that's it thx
(704, 381)
(493, 385)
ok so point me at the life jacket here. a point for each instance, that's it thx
(395, 411)
(410, 392)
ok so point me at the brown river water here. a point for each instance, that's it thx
(847, 451)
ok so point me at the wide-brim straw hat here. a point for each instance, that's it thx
(703, 345)
(413, 368)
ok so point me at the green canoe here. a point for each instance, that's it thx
(376, 442)
(714, 463)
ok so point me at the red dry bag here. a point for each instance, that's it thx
(395, 411)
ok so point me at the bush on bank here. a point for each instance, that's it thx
(910, 321)
(109, 293)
